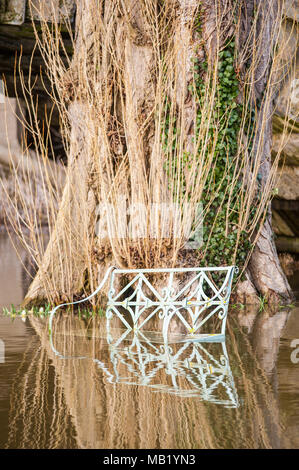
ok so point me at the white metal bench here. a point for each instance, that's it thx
(192, 305)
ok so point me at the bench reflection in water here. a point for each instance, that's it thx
(188, 369)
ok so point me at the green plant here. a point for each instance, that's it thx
(44, 311)
(263, 302)
(222, 195)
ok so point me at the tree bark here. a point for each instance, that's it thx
(69, 256)
(264, 266)
(65, 259)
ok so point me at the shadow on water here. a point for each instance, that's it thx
(132, 392)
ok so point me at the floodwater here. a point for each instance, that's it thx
(87, 387)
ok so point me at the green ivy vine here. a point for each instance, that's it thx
(220, 235)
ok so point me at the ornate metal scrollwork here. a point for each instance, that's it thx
(193, 305)
(203, 372)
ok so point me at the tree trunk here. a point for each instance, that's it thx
(264, 267)
(67, 258)
(67, 253)
(69, 262)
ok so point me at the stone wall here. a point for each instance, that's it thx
(22, 172)
(17, 11)
(16, 35)
(286, 136)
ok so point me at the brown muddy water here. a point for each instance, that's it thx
(89, 388)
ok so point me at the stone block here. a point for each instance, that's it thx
(288, 148)
(13, 12)
(56, 10)
(288, 183)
